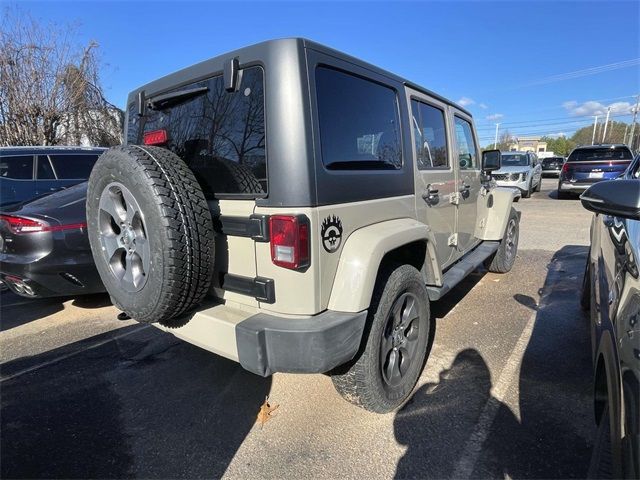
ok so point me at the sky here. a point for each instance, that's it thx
(537, 68)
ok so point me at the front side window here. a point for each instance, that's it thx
(430, 136)
(73, 167)
(467, 151)
(19, 167)
(359, 122)
(219, 134)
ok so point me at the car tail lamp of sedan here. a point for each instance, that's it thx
(290, 242)
(23, 225)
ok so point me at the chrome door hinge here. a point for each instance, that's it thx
(454, 198)
(453, 240)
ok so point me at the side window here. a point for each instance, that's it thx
(428, 125)
(18, 167)
(45, 172)
(359, 122)
(467, 151)
(73, 166)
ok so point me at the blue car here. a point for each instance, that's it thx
(28, 172)
(590, 164)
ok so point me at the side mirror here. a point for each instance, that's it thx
(491, 160)
(618, 198)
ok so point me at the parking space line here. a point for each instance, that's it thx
(473, 447)
(70, 354)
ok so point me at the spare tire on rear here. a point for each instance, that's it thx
(150, 232)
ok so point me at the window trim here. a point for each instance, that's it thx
(447, 134)
(398, 118)
(475, 141)
(55, 174)
(33, 169)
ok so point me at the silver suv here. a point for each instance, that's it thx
(521, 170)
(296, 210)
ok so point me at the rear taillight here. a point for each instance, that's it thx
(290, 242)
(565, 168)
(28, 225)
(155, 137)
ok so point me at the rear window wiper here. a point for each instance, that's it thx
(173, 98)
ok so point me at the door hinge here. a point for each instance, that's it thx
(454, 198)
(453, 240)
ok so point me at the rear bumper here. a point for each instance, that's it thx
(551, 173)
(265, 344)
(573, 187)
(47, 280)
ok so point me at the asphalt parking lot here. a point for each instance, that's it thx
(506, 391)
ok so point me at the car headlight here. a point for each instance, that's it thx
(514, 177)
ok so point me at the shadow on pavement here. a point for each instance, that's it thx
(17, 310)
(142, 405)
(550, 434)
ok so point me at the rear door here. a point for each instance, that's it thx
(220, 134)
(435, 181)
(468, 182)
(16, 179)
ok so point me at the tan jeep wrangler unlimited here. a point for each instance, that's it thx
(295, 209)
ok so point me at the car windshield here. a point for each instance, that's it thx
(600, 154)
(515, 160)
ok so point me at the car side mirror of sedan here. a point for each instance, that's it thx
(491, 160)
(619, 198)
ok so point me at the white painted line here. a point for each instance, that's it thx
(71, 354)
(508, 376)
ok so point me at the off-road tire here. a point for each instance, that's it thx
(178, 226)
(505, 256)
(361, 381)
(527, 192)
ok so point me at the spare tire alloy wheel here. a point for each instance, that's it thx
(151, 235)
(123, 237)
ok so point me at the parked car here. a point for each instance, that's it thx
(611, 292)
(341, 198)
(44, 249)
(28, 172)
(520, 170)
(589, 164)
(551, 166)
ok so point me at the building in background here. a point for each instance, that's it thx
(528, 144)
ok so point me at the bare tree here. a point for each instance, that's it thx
(50, 92)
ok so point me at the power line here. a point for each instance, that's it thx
(529, 122)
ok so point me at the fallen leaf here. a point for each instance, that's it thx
(266, 412)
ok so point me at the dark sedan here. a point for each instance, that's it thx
(551, 166)
(44, 248)
(590, 164)
(611, 292)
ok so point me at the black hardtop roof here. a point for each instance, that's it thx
(204, 69)
(35, 149)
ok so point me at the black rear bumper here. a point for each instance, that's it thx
(268, 344)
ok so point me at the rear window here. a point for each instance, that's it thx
(73, 167)
(219, 134)
(19, 167)
(359, 122)
(600, 154)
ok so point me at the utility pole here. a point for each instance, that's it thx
(495, 142)
(595, 124)
(604, 133)
(633, 124)
(624, 137)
